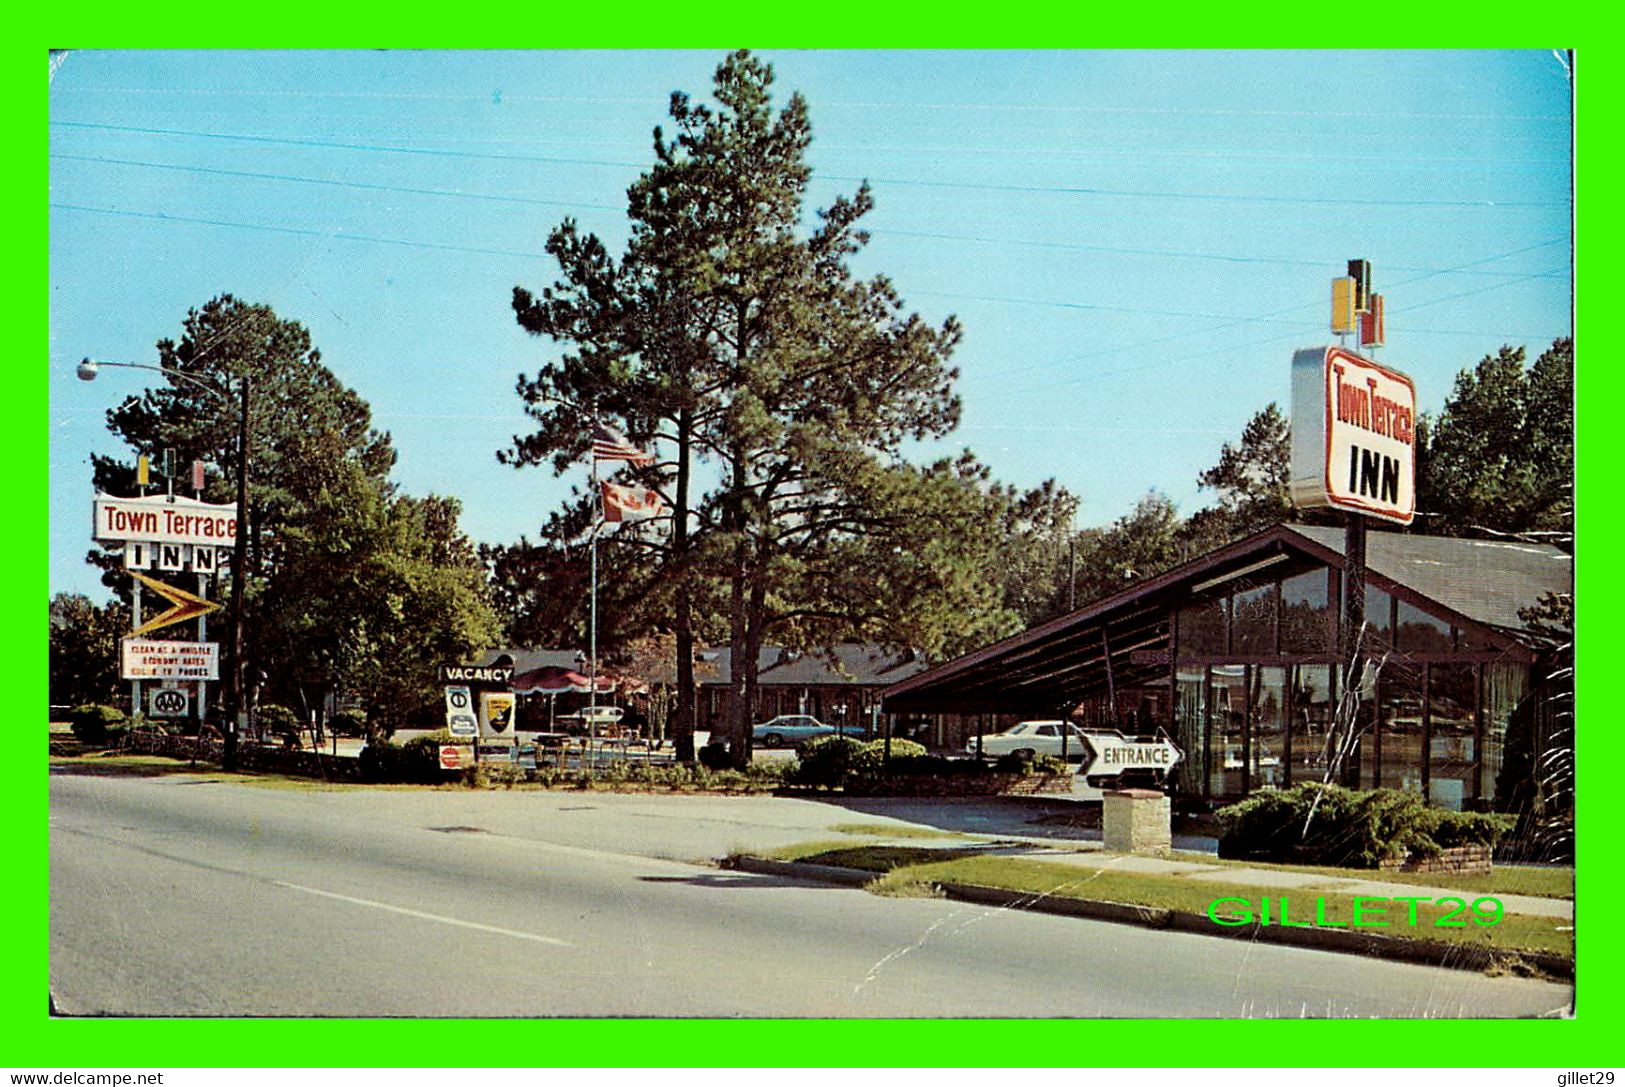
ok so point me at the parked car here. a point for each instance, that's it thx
(789, 728)
(592, 718)
(1039, 737)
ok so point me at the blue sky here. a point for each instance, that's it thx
(1135, 242)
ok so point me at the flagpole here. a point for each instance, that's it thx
(592, 634)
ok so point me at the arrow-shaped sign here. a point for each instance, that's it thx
(186, 606)
(1110, 753)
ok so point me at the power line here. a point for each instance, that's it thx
(883, 232)
(908, 182)
(326, 234)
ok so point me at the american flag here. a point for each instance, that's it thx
(610, 444)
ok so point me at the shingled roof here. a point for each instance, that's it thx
(1483, 582)
(1486, 580)
(852, 663)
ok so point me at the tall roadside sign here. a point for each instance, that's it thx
(168, 534)
(1353, 446)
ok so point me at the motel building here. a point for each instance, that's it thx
(1235, 657)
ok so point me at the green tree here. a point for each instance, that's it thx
(1500, 457)
(729, 333)
(1251, 479)
(349, 583)
(1138, 545)
(84, 650)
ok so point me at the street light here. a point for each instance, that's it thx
(87, 371)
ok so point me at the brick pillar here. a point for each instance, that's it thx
(1137, 821)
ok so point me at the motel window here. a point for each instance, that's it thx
(1253, 621)
(1504, 688)
(1306, 613)
(1379, 618)
(1420, 632)
(1227, 695)
(1312, 710)
(1399, 715)
(1267, 734)
(1202, 628)
(1190, 730)
(1452, 735)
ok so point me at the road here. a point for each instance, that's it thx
(181, 896)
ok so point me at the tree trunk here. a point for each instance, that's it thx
(682, 723)
(738, 665)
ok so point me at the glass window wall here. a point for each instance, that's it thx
(1399, 712)
(1312, 710)
(1306, 613)
(1452, 740)
(1190, 731)
(1420, 632)
(1227, 695)
(1202, 628)
(1253, 621)
(1267, 734)
(1504, 688)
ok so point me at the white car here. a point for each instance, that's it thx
(594, 717)
(1039, 737)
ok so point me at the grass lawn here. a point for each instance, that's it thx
(906, 866)
(119, 764)
(887, 830)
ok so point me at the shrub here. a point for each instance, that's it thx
(91, 722)
(415, 762)
(828, 760)
(279, 721)
(715, 756)
(348, 723)
(872, 758)
(1350, 829)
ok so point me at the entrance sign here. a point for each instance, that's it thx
(168, 702)
(1108, 754)
(148, 658)
(1353, 435)
(164, 519)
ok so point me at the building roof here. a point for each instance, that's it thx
(1484, 580)
(845, 664)
(1055, 665)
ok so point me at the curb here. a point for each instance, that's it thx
(1425, 952)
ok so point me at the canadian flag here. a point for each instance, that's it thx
(630, 503)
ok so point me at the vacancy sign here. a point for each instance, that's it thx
(1353, 435)
(150, 658)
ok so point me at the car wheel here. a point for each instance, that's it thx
(1026, 753)
(772, 739)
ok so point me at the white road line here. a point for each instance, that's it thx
(425, 916)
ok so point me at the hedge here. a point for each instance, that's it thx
(1349, 828)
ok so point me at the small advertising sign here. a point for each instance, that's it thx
(1353, 435)
(496, 753)
(496, 713)
(168, 702)
(149, 658)
(456, 756)
(460, 712)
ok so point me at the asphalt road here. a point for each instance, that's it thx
(187, 897)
